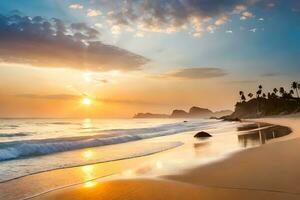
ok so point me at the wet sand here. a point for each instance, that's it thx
(160, 190)
(266, 172)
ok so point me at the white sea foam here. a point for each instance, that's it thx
(18, 168)
(29, 148)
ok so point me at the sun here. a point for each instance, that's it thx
(86, 101)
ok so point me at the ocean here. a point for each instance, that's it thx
(29, 146)
(32, 145)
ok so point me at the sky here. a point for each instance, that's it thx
(130, 56)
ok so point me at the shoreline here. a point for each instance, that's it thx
(245, 170)
(169, 179)
(94, 163)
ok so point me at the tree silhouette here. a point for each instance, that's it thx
(259, 91)
(243, 98)
(281, 91)
(295, 86)
(269, 95)
(270, 103)
(275, 91)
(250, 95)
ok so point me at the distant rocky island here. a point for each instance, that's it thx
(260, 104)
(150, 115)
(278, 102)
(194, 112)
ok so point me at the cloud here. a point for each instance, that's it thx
(270, 74)
(174, 15)
(39, 42)
(76, 6)
(192, 74)
(246, 15)
(296, 7)
(211, 28)
(70, 97)
(242, 82)
(103, 80)
(239, 8)
(139, 34)
(98, 25)
(253, 30)
(49, 97)
(229, 31)
(93, 13)
(222, 20)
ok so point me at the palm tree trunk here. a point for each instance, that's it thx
(297, 92)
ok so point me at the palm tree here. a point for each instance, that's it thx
(250, 95)
(295, 87)
(264, 95)
(242, 95)
(243, 98)
(275, 90)
(258, 93)
(281, 91)
(269, 95)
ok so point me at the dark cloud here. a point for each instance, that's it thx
(171, 15)
(52, 43)
(192, 74)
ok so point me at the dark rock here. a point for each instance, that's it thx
(185, 121)
(179, 114)
(202, 134)
(222, 113)
(150, 115)
(200, 112)
(231, 119)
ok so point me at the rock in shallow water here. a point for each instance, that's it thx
(202, 134)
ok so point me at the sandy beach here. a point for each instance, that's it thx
(269, 171)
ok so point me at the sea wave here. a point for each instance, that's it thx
(70, 160)
(18, 134)
(19, 149)
(2, 127)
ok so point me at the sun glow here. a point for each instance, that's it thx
(86, 101)
(88, 154)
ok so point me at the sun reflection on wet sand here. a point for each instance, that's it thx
(89, 154)
(88, 172)
(90, 184)
(159, 165)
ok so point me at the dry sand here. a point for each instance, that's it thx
(270, 171)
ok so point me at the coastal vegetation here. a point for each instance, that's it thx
(277, 102)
